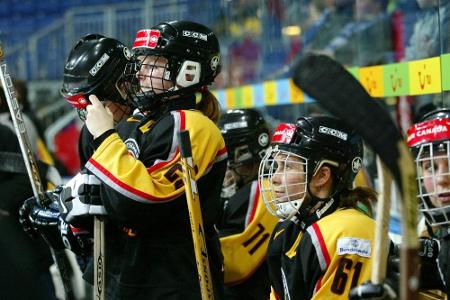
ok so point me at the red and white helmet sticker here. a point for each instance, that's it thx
(283, 133)
(147, 38)
(429, 131)
(78, 101)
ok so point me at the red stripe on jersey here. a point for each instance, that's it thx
(163, 163)
(255, 204)
(318, 285)
(182, 127)
(323, 246)
(125, 186)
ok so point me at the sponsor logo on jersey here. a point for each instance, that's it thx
(99, 64)
(133, 147)
(147, 38)
(356, 164)
(357, 246)
(321, 211)
(333, 132)
(195, 35)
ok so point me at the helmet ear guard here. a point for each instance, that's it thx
(189, 74)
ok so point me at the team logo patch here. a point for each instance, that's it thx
(99, 64)
(283, 133)
(215, 62)
(147, 38)
(356, 164)
(357, 246)
(133, 147)
(263, 139)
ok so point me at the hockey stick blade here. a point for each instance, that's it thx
(341, 94)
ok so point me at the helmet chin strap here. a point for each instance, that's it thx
(306, 217)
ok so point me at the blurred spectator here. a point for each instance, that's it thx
(327, 19)
(244, 61)
(354, 44)
(25, 262)
(5, 119)
(21, 89)
(35, 130)
(426, 38)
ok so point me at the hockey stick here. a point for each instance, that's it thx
(59, 256)
(195, 217)
(340, 93)
(380, 251)
(99, 258)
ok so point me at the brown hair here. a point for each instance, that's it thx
(209, 106)
(364, 196)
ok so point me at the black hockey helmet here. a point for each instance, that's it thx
(95, 65)
(193, 61)
(246, 135)
(325, 140)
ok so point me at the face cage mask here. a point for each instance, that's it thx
(433, 176)
(151, 82)
(282, 179)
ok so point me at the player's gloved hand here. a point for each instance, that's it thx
(80, 199)
(78, 240)
(372, 291)
(42, 220)
(32, 214)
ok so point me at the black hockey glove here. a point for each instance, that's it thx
(80, 199)
(32, 211)
(78, 240)
(42, 220)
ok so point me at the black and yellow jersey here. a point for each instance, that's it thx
(283, 242)
(333, 255)
(140, 163)
(149, 243)
(245, 230)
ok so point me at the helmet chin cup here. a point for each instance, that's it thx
(286, 210)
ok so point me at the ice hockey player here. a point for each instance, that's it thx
(323, 247)
(246, 224)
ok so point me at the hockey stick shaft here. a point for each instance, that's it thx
(382, 223)
(59, 256)
(99, 259)
(195, 217)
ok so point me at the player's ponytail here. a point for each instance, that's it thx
(208, 104)
(361, 198)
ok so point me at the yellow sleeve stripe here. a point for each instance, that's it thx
(127, 173)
